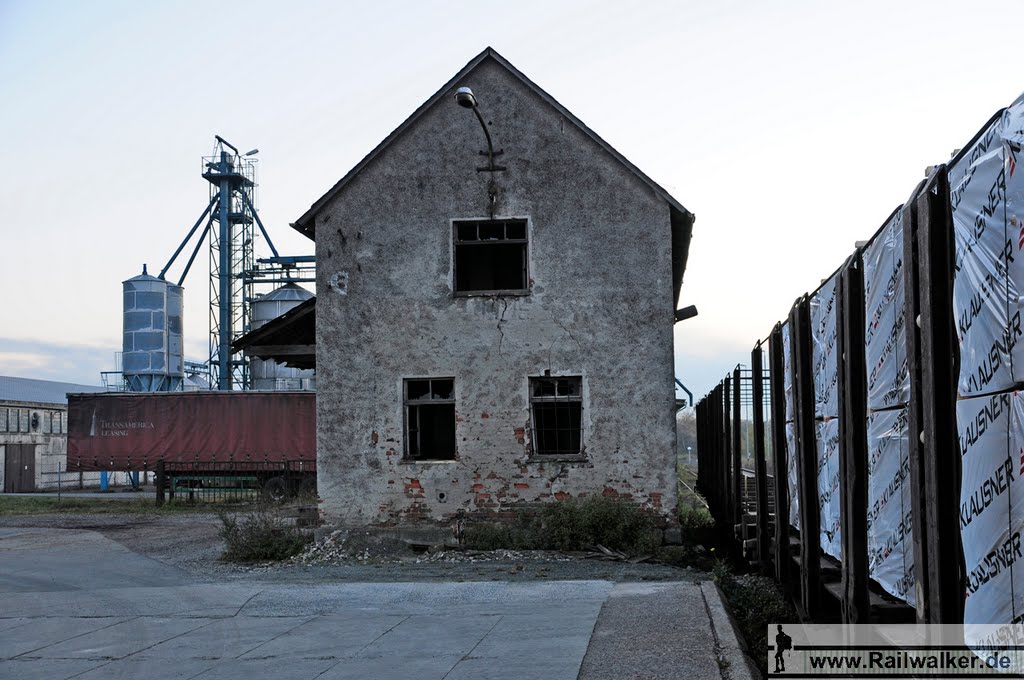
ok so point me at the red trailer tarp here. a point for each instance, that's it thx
(130, 431)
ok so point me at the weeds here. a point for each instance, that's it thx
(260, 535)
(574, 524)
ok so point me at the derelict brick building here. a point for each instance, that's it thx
(488, 339)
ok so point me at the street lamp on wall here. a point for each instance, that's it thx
(465, 98)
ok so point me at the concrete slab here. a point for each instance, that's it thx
(39, 633)
(104, 612)
(224, 638)
(530, 667)
(392, 668)
(122, 639)
(426, 635)
(278, 669)
(7, 624)
(335, 636)
(198, 599)
(661, 628)
(427, 597)
(41, 560)
(133, 668)
(46, 669)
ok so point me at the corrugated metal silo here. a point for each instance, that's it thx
(152, 359)
(266, 374)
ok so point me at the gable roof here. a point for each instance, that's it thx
(682, 219)
(40, 391)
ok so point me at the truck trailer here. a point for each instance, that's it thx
(199, 441)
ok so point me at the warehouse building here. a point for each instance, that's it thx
(497, 293)
(34, 436)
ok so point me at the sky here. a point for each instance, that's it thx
(791, 130)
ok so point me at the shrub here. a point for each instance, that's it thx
(696, 524)
(260, 535)
(490, 537)
(574, 524)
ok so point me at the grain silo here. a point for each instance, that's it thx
(152, 359)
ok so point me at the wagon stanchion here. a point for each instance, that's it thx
(807, 460)
(853, 451)
(932, 355)
(760, 460)
(736, 480)
(780, 454)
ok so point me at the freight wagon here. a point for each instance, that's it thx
(262, 442)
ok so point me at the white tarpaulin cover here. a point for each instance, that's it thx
(992, 506)
(987, 197)
(885, 338)
(823, 337)
(787, 371)
(828, 486)
(787, 381)
(794, 495)
(890, 523)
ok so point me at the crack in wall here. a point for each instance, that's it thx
(501, 320)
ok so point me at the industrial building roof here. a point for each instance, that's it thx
(290, 339)
(40, 391)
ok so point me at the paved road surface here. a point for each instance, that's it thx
(76, 604)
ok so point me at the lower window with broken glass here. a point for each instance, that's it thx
(556, 414)
(429, 419)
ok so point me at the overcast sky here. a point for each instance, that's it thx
(791, 129)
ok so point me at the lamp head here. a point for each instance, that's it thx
(465, 98)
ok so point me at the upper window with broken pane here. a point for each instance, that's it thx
(490, 257)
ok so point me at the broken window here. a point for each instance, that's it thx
(430, 419)
(556, 409)
(490, 257)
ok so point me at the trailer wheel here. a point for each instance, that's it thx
(275, 490)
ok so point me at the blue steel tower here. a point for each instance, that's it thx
(229, 217)
(232, 183)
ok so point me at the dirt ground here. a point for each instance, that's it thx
(191, 542)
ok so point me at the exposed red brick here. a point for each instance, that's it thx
(374, 438)
(477, 487)
(562, 496)
(609, 492)
(520, 485)
(485, 415)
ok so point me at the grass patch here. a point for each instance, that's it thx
(574, 524)
(260, 535)
(45, 505)
(755, 602)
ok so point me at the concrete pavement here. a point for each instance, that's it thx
(75, 604)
